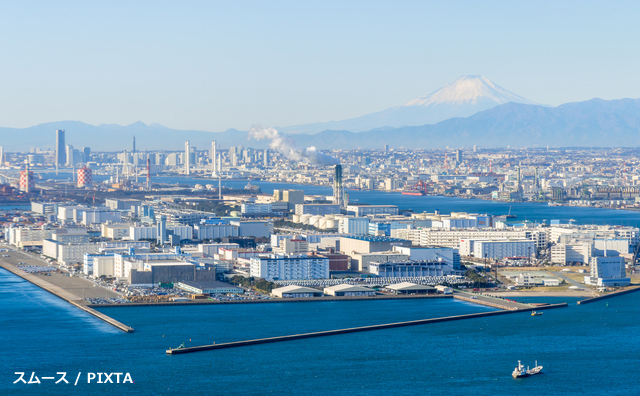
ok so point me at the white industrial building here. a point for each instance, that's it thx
(525, 279)
(255, 209)
(293, 267)
(417, 253)
(25, 236)
(254, 228)
(294, 291)
(68, 254)
(568, 253)
(346, 290)
(353, 225)
(209, 287)
(215, 231)
(406, 269)
(497, 249)
(103, 266)
(141, 232)
(452, 238)
(366, 210)
(100, 215)
(214, 248)
(607, 271)
(410, 288)
(317, 209)
(115, 231)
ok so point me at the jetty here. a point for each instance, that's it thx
(354, 330)
(609, 295)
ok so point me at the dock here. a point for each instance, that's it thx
(354, 330)
(610, 295)
(65, 295)
(491, 301)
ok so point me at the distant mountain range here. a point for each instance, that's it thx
(463, 97)
(594, 123)
(484, 114)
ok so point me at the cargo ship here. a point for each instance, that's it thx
(419, 189)
(521, 372)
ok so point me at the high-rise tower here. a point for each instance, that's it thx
(187, 158)
(213, 157)
(338, 189)
(61, 155)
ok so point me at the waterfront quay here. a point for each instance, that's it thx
(65, 295)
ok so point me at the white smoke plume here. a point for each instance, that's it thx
(286, 146)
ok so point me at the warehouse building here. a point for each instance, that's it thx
(366, 210)
(411, 269)
(215, 231)
(209, 287)
(294, 291)
(317, 209)
(410, 288)
(345, 290)
(369, 244)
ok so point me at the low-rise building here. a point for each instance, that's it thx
(346, 290)
(410, 288)
(294, 291)
(209, 287)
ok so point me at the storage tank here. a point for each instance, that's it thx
(296, 218)
(84, 177)
(304, 219)
(315, 220)
(331, 223)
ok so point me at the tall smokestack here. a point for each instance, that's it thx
(338, 190)
(148, 174)
(187, 158)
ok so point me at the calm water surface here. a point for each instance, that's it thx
(590, 349)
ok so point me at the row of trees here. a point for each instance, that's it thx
(259, 284)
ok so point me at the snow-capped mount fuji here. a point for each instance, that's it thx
(468, 90)
(461, 98)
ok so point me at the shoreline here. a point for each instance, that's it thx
(65, 295)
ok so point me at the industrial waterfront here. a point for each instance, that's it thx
(406, 360)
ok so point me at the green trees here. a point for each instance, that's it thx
(260, 284)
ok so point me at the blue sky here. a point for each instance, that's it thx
(217, 65)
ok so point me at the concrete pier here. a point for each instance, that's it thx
(614, 294)
(65, 295)
(351, 330)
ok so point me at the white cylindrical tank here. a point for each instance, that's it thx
(331, 223)
(304, 219)
(296, 218)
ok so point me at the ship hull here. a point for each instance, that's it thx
(420, 194)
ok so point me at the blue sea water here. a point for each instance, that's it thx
(525, 211)
(588, 349)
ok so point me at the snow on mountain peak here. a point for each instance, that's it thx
(468, 90)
